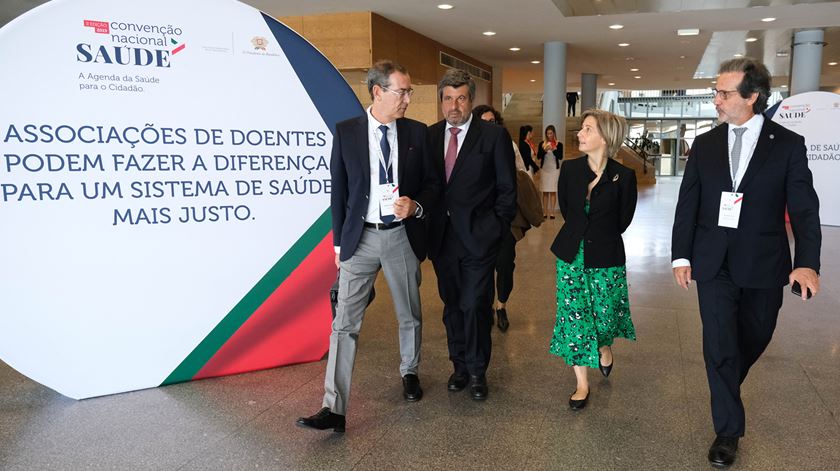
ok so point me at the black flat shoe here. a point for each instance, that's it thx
(502, 319)
(723, 452)
(606, 369)
(578, 404)
(478, 387)
(322, 420)
(457, 382)
(412, 392)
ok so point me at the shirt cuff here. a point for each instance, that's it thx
(681, 262)
(337, 249)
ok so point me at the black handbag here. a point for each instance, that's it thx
(334, 294)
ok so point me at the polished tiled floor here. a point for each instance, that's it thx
(652, 413)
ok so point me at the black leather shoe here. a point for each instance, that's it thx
(411, 388)
(323, 420)
(605, 369)
(723, 451)
(501, 315)
(478, 387)
(578, 404)
(457, 382)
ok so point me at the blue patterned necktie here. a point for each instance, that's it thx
(385, 176)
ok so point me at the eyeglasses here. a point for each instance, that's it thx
(400, 92)
(722, 93)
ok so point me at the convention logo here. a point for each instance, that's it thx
(131, 44)
(794, 111)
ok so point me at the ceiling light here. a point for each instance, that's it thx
(688, 32)
(634, 70)
(637, 76)
(489, 33)
(784, 86)
(768, 20)
(751, 40)
(445, 6)
(737, 54)
(535, 62)
(682, 57)
(832, 63)
(532, 80)
(616, 26)
(623, 44)
(781, 53)
(611, 84)
(714, 81)
(514, 49)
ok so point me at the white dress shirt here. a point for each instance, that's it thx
(374, 151)
(461, 135)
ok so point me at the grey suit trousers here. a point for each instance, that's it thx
(391, 251)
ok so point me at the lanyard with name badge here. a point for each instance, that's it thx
(387, 191)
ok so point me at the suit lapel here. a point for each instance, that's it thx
(473, 134)
(720, 157)
(403, 137)
(363, 158)
(760, 155)
(436, 133)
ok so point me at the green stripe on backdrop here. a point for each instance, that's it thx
(253, 300)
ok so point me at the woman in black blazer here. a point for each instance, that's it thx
(527, 149)
(597, 198)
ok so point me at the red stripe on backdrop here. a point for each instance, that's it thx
(291, 326)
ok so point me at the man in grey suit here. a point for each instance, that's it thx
(382, 181)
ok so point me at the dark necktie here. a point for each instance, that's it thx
(451, 152)
(385, 176)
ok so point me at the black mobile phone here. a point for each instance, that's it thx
(797, 290)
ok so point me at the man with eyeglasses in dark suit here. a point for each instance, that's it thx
(383, 184)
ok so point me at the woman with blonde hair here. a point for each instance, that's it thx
(597, 198)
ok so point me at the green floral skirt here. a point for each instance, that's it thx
(592, 310)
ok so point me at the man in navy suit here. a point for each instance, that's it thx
(382, 186)
(729, 235)
(474, 161)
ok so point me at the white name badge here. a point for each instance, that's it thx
(730, 209)
(387, 195)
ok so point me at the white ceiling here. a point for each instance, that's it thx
(649, 26)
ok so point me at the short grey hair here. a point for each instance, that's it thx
(456, 78)
(380, 74)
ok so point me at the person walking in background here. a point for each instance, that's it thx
(571, 99)
(527, 149)
(474, 162)
(529, 213)
(490, 114)
(382, 184)
(729, 234)
(550, 155)
(597, 198)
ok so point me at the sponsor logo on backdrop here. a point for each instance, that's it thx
(259, 42)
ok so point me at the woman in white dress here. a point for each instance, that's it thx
(550, 155)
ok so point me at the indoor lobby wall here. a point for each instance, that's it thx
(352, 41)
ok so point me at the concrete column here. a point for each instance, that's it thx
(806, 62)
(554, 88)
(588, 91)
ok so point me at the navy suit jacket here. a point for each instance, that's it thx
(350, 171)
(480, 197)
(758, 251)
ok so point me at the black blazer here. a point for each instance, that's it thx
(558, 154)
(611, 207)
(350, 171)
(527, 158)
(758, 251)
(480, 197)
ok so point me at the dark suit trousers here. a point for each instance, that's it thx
(505, 264)
(465, 284)
(738, 324)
